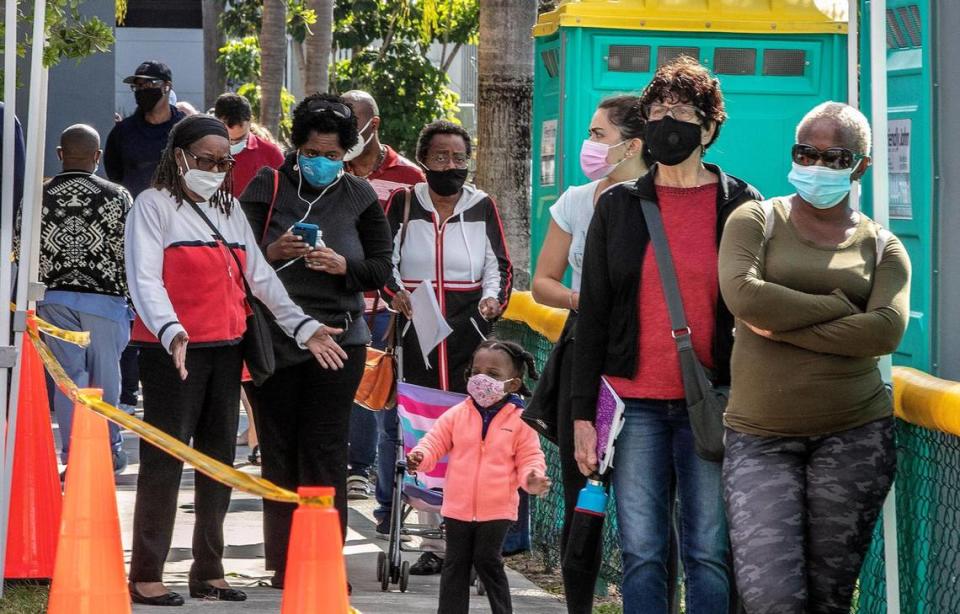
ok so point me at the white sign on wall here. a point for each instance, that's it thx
(898, 166)
(548, 152)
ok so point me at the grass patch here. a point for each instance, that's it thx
(608, 608)
(24, 599)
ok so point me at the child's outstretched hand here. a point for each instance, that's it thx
(413, 461)
(537, 484)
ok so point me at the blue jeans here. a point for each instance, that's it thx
(657, 442)
(386, 461)
(96, 366)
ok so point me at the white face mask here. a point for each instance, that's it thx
(357, 149)
(236, 148)
(202, 183)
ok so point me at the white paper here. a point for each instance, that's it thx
(429, 323)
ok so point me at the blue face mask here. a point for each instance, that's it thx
(820, 186)
(319, 171)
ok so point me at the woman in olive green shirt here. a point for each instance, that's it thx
(820, 292)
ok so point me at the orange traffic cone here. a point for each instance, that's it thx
(316, 577)
(89, 577)
(35, 498)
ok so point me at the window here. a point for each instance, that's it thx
(784, 62)
(628, 58)
(732, 61)
(665, 55)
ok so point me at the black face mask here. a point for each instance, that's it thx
(448, 182)
(670, 141)
(147, 99)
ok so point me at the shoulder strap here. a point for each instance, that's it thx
(407, 198)
(273, 202)
(883, 236)
(220, 237)
(668, 275)
(769, 217)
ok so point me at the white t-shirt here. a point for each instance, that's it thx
(572, 212)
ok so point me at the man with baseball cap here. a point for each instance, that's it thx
(131, 158)
(135, 143)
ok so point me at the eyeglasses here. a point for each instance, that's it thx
(205, 163)
(837, 158)
(147, 84)
(460, 159)
(680, 112)
(321, 106)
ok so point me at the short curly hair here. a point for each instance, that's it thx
(440, 126)
(232, 109)
(308, 118)
(686, 80)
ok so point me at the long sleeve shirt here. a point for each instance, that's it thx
(182, 279)
(832, 312)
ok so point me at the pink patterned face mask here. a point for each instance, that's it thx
(486, 390)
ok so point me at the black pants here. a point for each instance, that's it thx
(129, 375)
(474, 545)
(204, 408)
(303, 423)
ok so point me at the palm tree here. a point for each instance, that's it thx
(319, 44)
(214, 75)
(505, 89)
(273, 47)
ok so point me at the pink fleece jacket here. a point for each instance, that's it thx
(482, 474)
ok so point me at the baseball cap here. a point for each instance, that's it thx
(151, 69)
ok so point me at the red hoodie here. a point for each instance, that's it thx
(483, 475)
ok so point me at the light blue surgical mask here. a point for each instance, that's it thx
(236, 148)
(319, 171)
(820, 186)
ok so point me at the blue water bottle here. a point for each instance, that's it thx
(585, 541)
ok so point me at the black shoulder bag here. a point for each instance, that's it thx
(258, 351)
(705, 402)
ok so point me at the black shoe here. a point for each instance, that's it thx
(254, 457)
(170, 599)
(277, 581)
(427, 565)
(205, 590)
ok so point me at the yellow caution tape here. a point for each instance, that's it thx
(81, 338)
(548, 321)
(213, 469)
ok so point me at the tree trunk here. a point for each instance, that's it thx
(319, 47)
(300, 56)
(273, 48)
(214, 74)
(505, 89)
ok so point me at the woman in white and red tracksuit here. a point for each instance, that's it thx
(454, 239)
(187, 286)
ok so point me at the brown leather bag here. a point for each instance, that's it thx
(378, 387)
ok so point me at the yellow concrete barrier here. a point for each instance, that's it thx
(922, 399)
(548, 321)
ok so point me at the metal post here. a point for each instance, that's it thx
(881, 214)
(853, 76)
(32, 193)
(6, 240)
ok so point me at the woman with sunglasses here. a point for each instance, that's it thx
(453, 240)
(819, 291)
(187, 282)
(303, 409)
(624, 333)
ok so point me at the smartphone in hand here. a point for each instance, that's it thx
(309, 233)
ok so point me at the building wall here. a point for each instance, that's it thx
(179, 48)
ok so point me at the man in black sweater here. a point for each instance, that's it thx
(82, 266)
(131, 158)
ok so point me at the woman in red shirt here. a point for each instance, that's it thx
(624, 333)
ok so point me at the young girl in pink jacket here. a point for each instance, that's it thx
(491, 453)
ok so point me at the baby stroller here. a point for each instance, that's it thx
(417, 410)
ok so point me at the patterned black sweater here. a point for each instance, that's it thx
(81, 234)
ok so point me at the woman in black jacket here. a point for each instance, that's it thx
(304, 413)
(624, 334)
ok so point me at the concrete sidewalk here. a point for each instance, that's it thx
(243, 559)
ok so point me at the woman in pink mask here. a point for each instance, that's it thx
(611, 154)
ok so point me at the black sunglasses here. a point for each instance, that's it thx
(320, 106)
(837, 158)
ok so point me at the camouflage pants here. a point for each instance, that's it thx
(801, 512)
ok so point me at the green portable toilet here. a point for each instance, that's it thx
(911, 146)
(775, 60)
